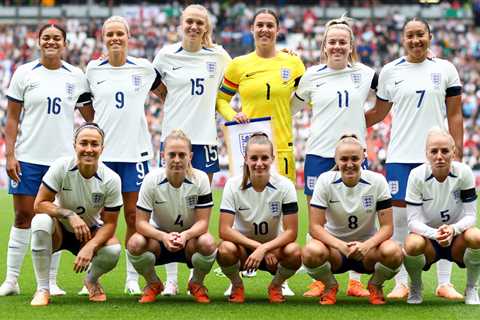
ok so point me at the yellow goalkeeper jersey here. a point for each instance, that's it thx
(265, 87)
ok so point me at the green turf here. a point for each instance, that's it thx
(120, 306)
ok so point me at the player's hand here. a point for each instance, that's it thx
(13, 169)
(241, 118)
(290, 52)
(83, 258)
(170, 242)
(358, 250)
(253, 261)
(344, 249)
(271, 261)
(80, 228)
(444, 235)
(180, 240)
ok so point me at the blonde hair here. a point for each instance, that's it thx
(120, 19)
(207, 41)
(436, 131)
(342, 23)
(255, 138)
(178, 134)
(348, 138)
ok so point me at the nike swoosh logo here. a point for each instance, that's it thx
(398, 82)
(427, 199)
(176, 68)
(99, 82)
(208, 165)
(320, 84)
(250, 74)
(66, 189)
(160, 202)
(241, 209)
(333, 201)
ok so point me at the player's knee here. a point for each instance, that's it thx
(414, 244)
(136, 244)
(472, 237)
(391, 252)
(206, 244)
(108, 256)
(227, 251)
(42, 222)
(314, 252)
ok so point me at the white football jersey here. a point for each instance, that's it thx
(337, 98)
(418, 92)
(173, 209)
(49, 98)
(87, 197)
(351, 212)
(441, 202)
(258, 215)
(192, 80)
(119, 95)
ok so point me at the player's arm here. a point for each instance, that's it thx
(455, 123)
(200, 226)
(416, 224)
(14, 109)
(228, 88)
(378, 112)
(144, 227)
(161, 92)
(87, 112)
(227, 233)
(317, 220)
(385, 231)
(469, 219)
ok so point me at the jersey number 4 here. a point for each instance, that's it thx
(179, 221)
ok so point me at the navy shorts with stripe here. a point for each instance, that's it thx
(131, 174)
(30, 179)
(351, 264)
(397, 177)
(205, 158)
(169, 256)
(315, 166)
(70, 242)
(442, 253)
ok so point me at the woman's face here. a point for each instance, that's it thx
(177, 156)
(338, 47)
(440, 153)
(194, 25)
(349, 157)
(115, 37)
(51, 43)
(88, 146)
(416, 41)
(265, 30)
(259, 159)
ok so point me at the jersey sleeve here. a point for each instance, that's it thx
(53, 179)
(205, 199)
(467, 192)
(304, 88)
(298, 71)
(290, 202)
(16, 89)
(85, 96)
(228, 199)
(113, 194)
(158, 63)
(453, 85)
(384, 199)
(145, 195)
(382, 88)
(319, 197)
(413, 195)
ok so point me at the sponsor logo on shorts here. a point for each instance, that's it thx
(394, 186)
(13, 184)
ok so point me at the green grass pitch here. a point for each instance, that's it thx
(120, 306)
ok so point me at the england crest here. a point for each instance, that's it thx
(393, 185)
(136, 81)
(356, 79)
(275, 208)
(243, 139)
(70, 90)
(456, 195)
(436, 80)
(211, 67)
(97, 199)
(367, 202)
(191, 201)
(285, 74)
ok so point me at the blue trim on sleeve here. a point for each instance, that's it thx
(380, 98)
(227, 211)
(318, 206)
(48, 187)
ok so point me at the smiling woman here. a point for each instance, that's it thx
(47, 110)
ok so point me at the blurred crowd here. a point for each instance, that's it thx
(378, 42)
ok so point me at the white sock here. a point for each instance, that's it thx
(353, 275)
(444, 272)
(171, 269)
(400, 232)
(41, 257)
(471, 258)
(132, 274)
(414, 266)
(202, 265)
(382, 273)
(233, 273)
(104, 261)
(282, 274)
(145, 265)
(323, 273)
(17, 248)
(54, 265)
